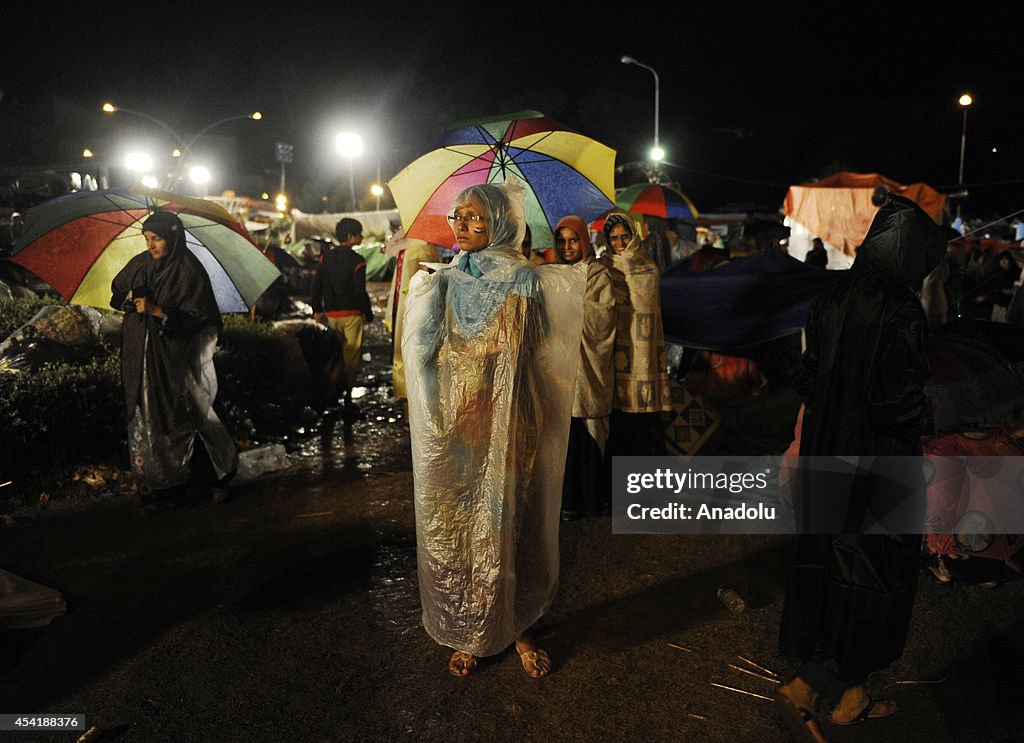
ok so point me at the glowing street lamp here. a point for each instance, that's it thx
(377, 191)
(199, 174)
(657, 154)
(138, 162)
(350, 145)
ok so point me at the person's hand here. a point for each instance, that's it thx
(320, 317)
(145, 307)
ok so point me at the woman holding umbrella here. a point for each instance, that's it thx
(489, 374)
(168, 337)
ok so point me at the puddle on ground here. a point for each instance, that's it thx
(376, 442)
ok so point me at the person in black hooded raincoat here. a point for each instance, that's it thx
(849, 596)
(168, 337)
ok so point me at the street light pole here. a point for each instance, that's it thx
(186, 147)
(255, 116)
(656, 154)
(350, 145)
(965, 102)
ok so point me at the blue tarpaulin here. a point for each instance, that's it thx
(744, 302)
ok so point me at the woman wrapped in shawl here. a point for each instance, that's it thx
(168, 338)
(490, 345)
(587, 488)
(641, 369)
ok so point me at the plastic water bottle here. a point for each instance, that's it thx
(731, 600)
(255, 462)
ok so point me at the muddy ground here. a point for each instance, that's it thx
(291, 613)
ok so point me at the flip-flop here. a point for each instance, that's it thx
(801, 721)
(865, 714)
(533, 658)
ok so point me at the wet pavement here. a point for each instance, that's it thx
(291, 613)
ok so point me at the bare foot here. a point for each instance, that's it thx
(536, 661)
(461, 664)
(856, 705)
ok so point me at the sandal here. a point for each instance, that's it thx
(888, 708)
(537, 663)
(461, 664)
(802, 723)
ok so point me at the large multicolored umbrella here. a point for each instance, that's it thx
(563, 171)
(78, 243)
(655, 200)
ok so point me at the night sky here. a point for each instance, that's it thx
(752, 100)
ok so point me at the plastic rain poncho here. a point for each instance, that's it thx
(490, 344)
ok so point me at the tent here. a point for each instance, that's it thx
(377, 223)
(839, 210)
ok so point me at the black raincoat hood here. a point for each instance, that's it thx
(903, 243)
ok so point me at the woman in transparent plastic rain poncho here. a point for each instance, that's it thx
(491, 344)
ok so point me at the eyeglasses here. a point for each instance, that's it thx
(472, 219)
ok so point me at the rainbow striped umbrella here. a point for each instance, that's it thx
(78, 243)
(655, 200)
(563, 172)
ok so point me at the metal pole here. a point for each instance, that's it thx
(656, 105)
(352, 182)
(281, 190)
(963, 147)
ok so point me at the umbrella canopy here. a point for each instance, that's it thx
(78, 243)
(563, 172)
(655, 200)
(972, 382)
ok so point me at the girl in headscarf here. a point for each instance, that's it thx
(168, 337)
(490, 375)
(587, 488)
(641, 369)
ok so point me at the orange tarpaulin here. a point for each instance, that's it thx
(838, 209)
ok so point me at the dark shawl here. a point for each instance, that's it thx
(180, 285)
(849, 596)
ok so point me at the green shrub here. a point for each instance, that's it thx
(61, 415)
(16, 312)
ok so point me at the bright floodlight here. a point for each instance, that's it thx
(965, 100)
(86, 152)
(376, 190)
(256, 115)
(109, 108)
(149, 181)
(138, 162)
(349, 144)
(657, 154)
(198, 174)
